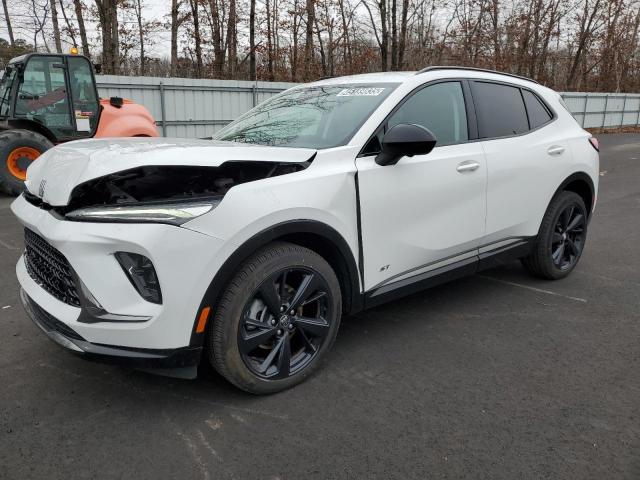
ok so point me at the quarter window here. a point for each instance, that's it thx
(500, 110)
(538, 113)
(440, 108)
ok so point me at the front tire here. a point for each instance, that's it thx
(561, 238)
(18, 148)
(276, 320)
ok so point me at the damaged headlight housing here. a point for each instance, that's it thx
(174, 213)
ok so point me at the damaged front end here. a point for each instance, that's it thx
(172, 194)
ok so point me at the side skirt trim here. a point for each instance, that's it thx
(469, 266)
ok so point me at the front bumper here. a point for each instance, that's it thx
(180, 362)
(185, 262)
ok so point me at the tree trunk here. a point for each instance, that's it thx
(56, 27)
(68, 24)
(394, 36)
(308, 46)
(384, 41)
(196, 36)
(403, 34)
(216, 37)
(174, 37)
(108, 17)
(137, 6)
(252, 39)
(8, 20)
(323, 58)
(345, 40)
(269, 42)
(232, 38)
(81, 29)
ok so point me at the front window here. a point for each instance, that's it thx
(42, 95)
(5, 91)
(311, 117)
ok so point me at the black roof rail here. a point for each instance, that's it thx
(473, 69)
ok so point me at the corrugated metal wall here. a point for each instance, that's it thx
(598, 110)
(185, 107)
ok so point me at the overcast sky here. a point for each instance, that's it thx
(22, 22)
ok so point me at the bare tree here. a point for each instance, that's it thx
(195, 17)
(56, 28)
(69, 29)
(252, 40)
(174, 36)
(108, 18)
(83, 32)
(308, 45)
(8, 21)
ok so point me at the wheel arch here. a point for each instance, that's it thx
(312, 234)
(582, 184)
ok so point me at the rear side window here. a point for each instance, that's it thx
(538, 113)
(500, 110)
(440, 108)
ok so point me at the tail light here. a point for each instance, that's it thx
(594, 143)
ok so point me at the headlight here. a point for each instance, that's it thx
(174, 213)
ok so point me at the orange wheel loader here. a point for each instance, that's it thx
(46, 99)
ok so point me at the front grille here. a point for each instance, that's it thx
(49, 268)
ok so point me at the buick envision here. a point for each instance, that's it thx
(327, 199)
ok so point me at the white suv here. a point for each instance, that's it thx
(327, 199)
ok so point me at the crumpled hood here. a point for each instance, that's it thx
(58, 171)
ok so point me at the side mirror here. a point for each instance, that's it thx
(405, 139)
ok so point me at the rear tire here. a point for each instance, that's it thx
(276, 320)
(561, 238)
(18, 148)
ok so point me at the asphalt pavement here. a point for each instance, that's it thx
(497, 376)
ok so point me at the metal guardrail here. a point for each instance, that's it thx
(197, 108)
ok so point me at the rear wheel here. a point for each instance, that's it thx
(276, 320)
(561, 239)
(18, 148)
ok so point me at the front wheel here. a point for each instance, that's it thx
(276, 319)
(561, 239)
(18, 148)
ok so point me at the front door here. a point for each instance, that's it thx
(427, 211)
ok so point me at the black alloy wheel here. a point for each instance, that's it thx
(276, 319)
(285, 323)
(568, 237)
(561, 239)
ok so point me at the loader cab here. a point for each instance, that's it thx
(54, 94)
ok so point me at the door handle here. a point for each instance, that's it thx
(468, 166)
(555, 150)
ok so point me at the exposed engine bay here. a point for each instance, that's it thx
(171, 183)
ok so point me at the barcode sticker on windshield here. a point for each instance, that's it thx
(361, 92)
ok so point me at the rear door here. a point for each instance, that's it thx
(523, 151)
(427, 211)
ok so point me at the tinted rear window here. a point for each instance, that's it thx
(500, 110)
(538, 113)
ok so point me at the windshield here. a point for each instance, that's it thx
(312, 117)
(5, 90)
